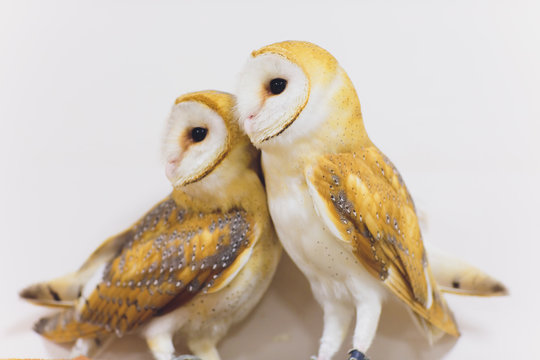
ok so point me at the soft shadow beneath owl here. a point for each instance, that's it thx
(287, 324)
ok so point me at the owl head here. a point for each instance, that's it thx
(201, 133)
(287, 89)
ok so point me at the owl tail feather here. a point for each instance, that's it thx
(60, 292)
(63, 291)
(458, 277)
(63, 327)
(431, 332)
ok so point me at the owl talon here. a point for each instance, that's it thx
(186, 357)
(312, 357)
(356, 355)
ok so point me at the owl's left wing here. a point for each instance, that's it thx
(363, 201)
(172, 255)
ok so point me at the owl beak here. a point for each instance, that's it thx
(249, 124)
(170, 169)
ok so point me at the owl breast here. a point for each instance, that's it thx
(328, 263)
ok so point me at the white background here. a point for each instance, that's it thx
(450, 92)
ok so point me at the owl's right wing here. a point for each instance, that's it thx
(172, 255)
(363, 201)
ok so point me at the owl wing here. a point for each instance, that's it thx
(172, 255)
(364, 202)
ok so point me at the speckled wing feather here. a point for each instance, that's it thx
(363, 200)
(171, 255)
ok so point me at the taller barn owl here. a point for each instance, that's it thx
(340, 208)
(197, 262)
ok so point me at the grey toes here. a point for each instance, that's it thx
(356, 355)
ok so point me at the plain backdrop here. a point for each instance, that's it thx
(450, 92)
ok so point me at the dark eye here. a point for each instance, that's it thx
(277, 85)
(198, 134)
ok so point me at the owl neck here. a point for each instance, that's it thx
(224, 186)
(343, 129)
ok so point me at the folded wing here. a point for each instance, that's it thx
(172, 255)
(363, 201)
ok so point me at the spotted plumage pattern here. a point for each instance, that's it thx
(168, 257)
(364, 200)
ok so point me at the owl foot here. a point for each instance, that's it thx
(186, 357)
(356, 355)
(312, 357)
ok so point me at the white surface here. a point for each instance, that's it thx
(449, 91)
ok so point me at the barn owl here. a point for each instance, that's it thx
(196, 263)
(340, 208)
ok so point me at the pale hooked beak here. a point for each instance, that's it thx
(171, 167)
(248, 124)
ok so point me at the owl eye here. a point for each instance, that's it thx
(277, 85)
(198, 134)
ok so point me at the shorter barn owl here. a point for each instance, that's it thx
(196, 263)
(340, 208)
